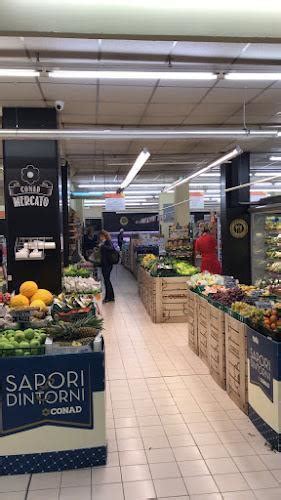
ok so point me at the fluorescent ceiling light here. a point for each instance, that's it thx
(275, 158)
(92, 186)
(252, 76)
(267, 174)
(205, 184)
(211, 174)
(137, 166)
(144, 192)
(19, 72)
(228, 156)
(134, 75)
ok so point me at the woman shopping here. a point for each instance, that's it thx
(206, 246)
(106, 251)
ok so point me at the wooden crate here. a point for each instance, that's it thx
(217, 345)
(192, 320)
(203, 329)
(236, 361)
(165, 299)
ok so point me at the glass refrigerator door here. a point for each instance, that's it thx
(266, 246)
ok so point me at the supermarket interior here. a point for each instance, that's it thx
(140, 251)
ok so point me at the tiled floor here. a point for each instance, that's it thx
(172, 432)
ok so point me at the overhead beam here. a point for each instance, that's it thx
(162, 19)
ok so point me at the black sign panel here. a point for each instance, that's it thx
(32, 199)
(139, 222)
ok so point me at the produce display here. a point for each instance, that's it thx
(73, 271)
(228, 296)
(205, 279)
(81, 285)
(70, 307)
(148, 260)
(86, 328)
(273, 244)
(22, 342)
(167, 267)
(31, 296)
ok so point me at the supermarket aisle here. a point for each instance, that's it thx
(172, 432)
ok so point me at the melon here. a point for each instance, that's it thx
(28, 288)
(43, 295)
(19, 301)
(38, 304)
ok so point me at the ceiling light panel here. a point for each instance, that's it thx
(137, 166)
(25, 73)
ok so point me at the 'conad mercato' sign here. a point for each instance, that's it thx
(30, 190)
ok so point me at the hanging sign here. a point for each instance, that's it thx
(196, 200)
(35, 392)
(114, 202)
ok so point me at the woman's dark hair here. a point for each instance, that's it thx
(105, 234)
(206, 228)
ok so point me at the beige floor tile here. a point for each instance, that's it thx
(138, 490)
(193, 468)
(135, 473)
(164, 470)
(231, 482)
(198, 485)
(170, 486)
(260, 479)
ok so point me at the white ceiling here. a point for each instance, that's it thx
(146, 103)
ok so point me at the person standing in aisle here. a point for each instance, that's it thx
(89, 242)
(120, 238)
(106, 250)
(206, 246)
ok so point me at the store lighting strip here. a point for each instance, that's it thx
(115, 74)
(137, 166)
(274, 158)
(133, 75)
(116, 185)
(229, 156)
(26, 73)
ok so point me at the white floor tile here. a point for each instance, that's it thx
(193, 468)
(138, 490)
(164, 470)
(81, 477)
(183, 453)
(200, 484)
(231, 482)
(135, 457)
(261, 479)
(13, 483)
(48, 494)
(45, 481)
(135, 473)
(221, 466)
(240, 495)
(249, 463)
(19, 495)
(104, 475)
(268, 494)
(159, 455)
(172, 487)
(75, 492)
(106, 491)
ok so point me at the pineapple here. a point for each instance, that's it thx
(69, 331)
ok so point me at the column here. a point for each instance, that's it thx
(167, 216)
(182, 209)
(32, 197)
(235, 219)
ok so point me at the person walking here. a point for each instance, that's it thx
(106, 251)
(206, 246)
(120, 238)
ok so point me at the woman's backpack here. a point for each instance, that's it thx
(114, 256)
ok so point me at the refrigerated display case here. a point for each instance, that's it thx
(266, 242)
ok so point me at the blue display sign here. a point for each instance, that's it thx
(46, 390)
(263, 358)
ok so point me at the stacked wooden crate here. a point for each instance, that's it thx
(203, 329)
(165, 299)
(192, 320)
(217, 345)
(236, 361)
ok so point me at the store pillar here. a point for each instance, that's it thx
(182, 206)
(166, 212)
(235, 219)
(32, 201)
